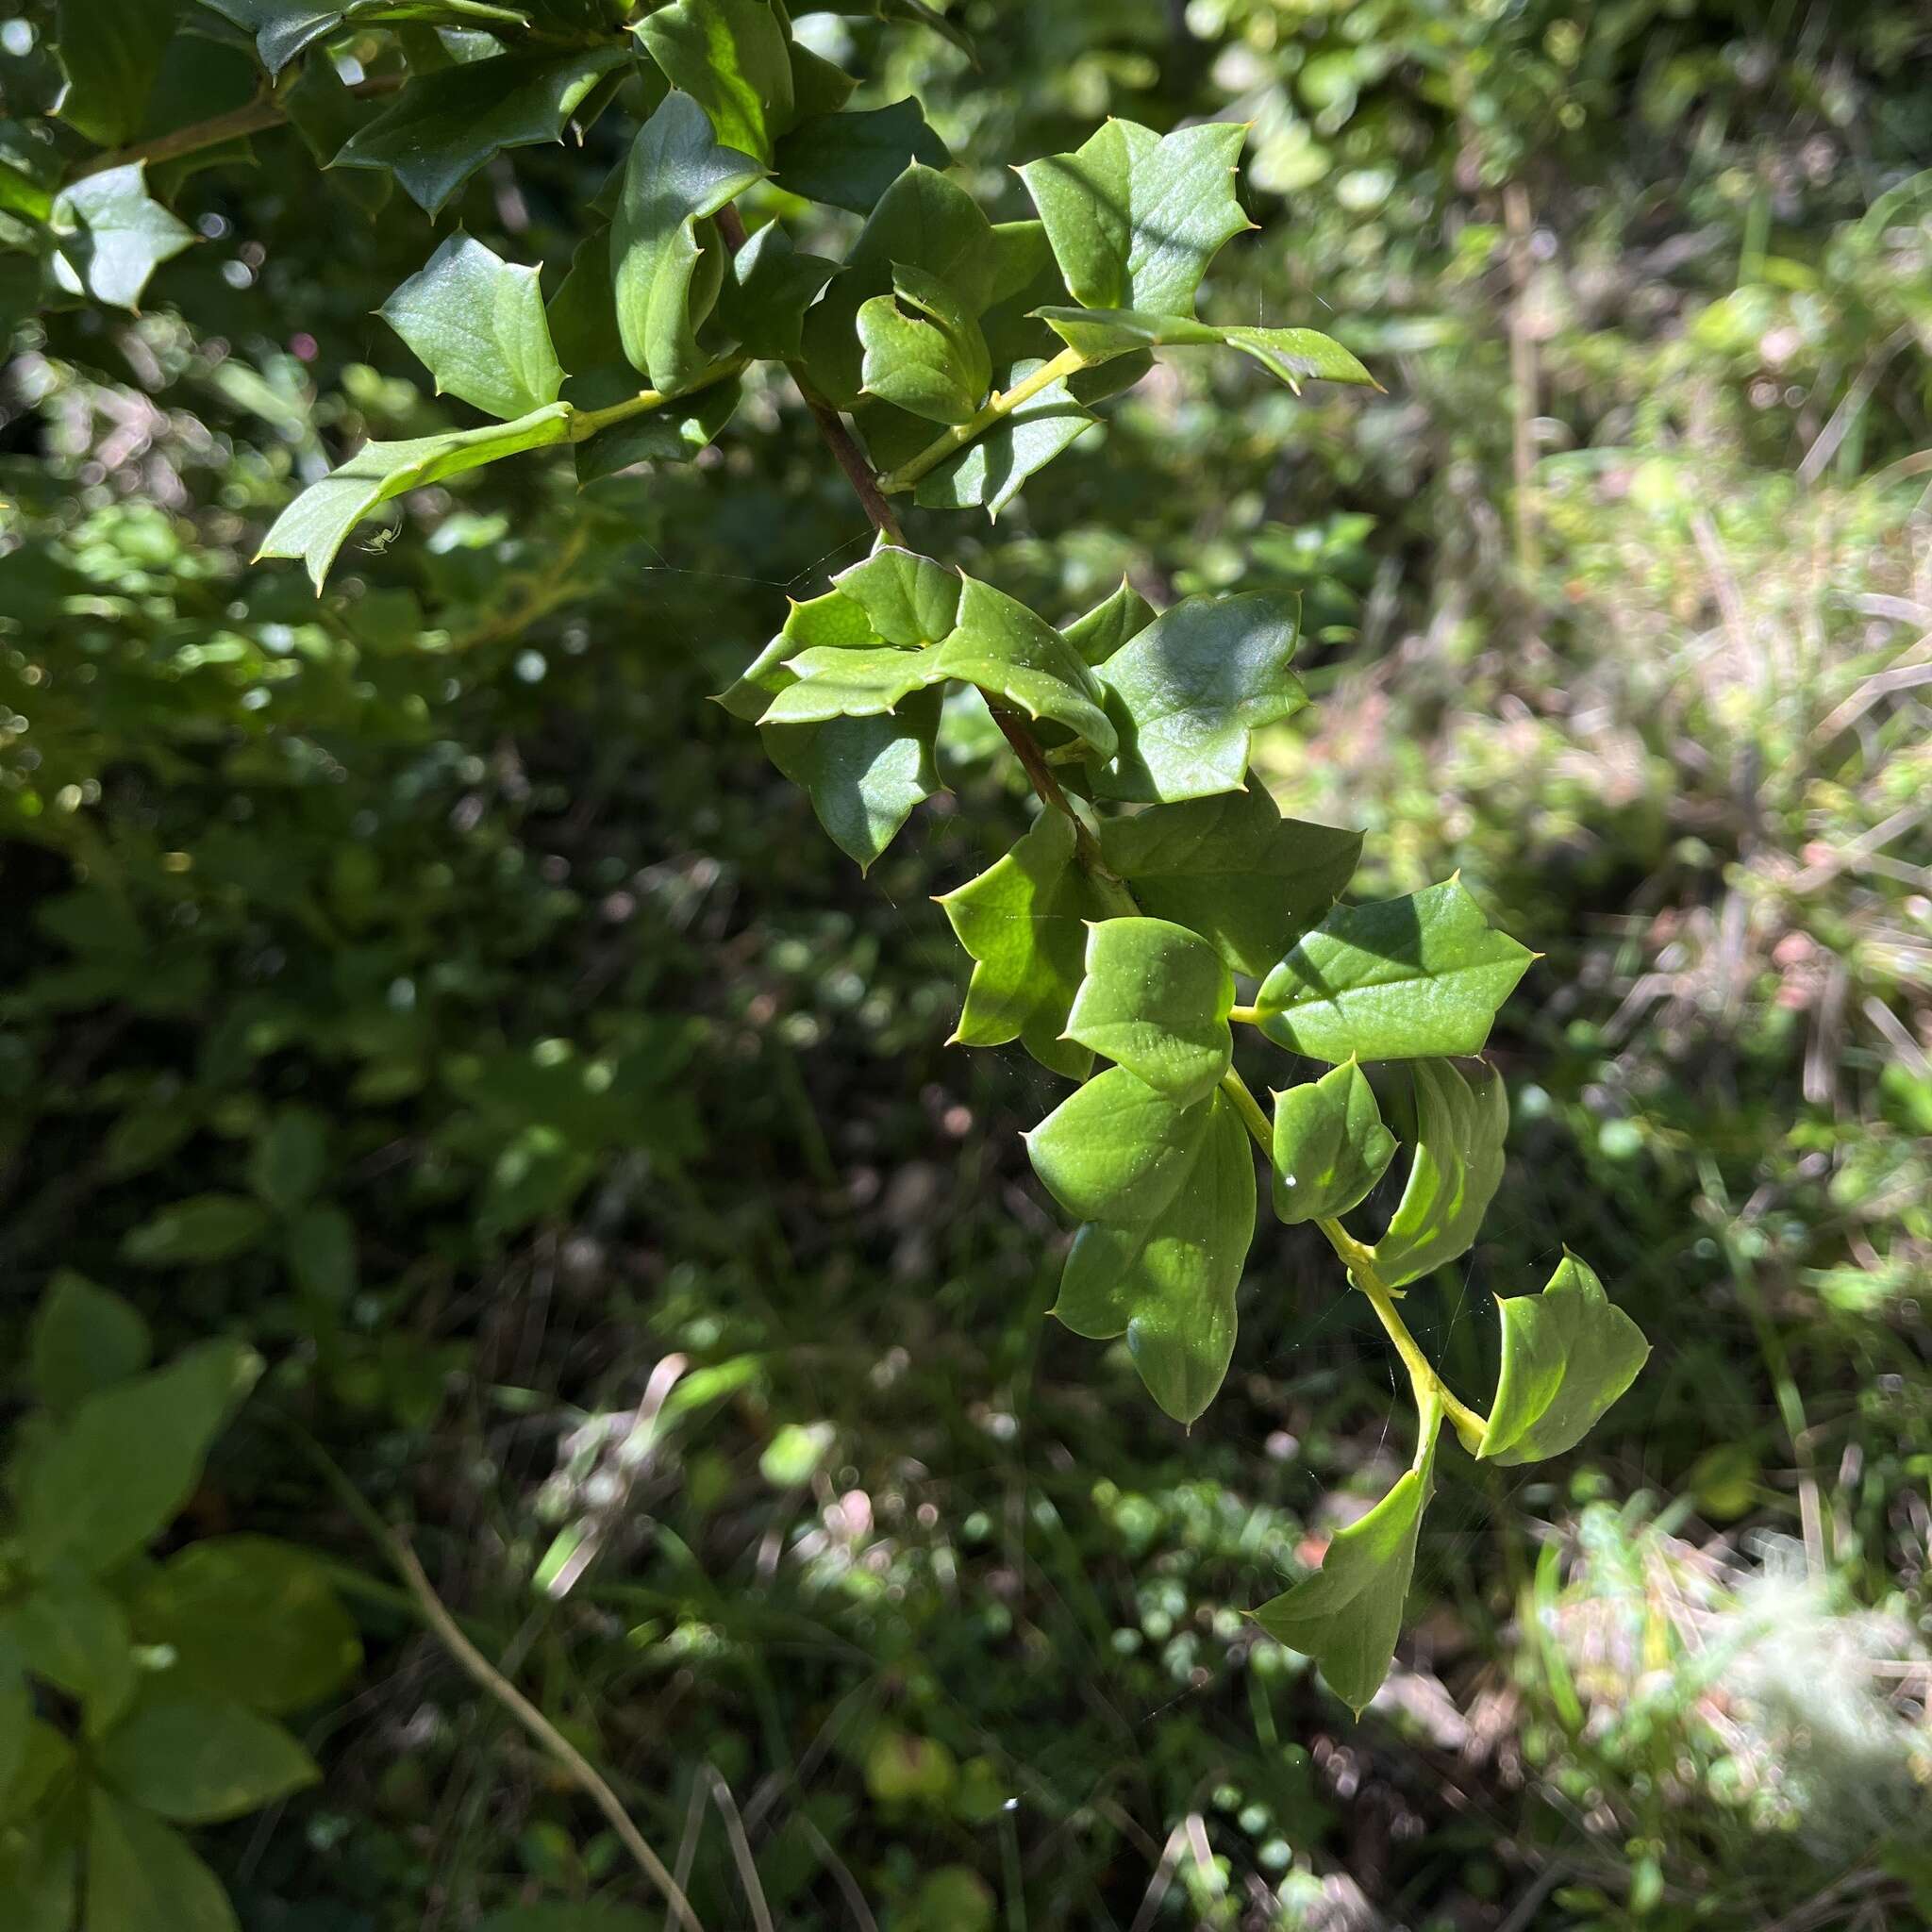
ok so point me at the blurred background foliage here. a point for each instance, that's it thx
(429, 986)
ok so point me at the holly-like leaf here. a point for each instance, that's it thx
(72, 1633)
(1461, 1120)
(1135, 217)
(1155, 1001)
(328, 116)
(317, 524)
(1167, 1194)
(734, 59)
(863, 775)
(1330, 1145)
(120, 1468)
(1294, 356)
(1187, 692)
(194, 1757)
(1232, 869)
(110, 236)
(848, 160)
(1024, 921)
(768, 286)
(476, 322)
(283, 28)
(1115, 621)
(1568, 1353)
(140, 1871)
(446, 125)
(834, 623)
(675, 176)
(924, 349)
(1348, 1615)
(83, 1339)
(1407, 979)
(111, 52)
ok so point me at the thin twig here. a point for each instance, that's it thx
(741, 1849)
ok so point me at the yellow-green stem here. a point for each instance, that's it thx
(1249, 1110)
(1002, 405)
(585, 424)
(1245, 1016)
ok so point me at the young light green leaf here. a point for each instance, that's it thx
(734, 59)
(195, 1758)
(1135, 217)
(908, 599)
(1024, 921)
(476, 322)
(1232, 869)
(110, 236)
(1330, 1145)
(848, 160)
(833, 623)
(850, 684)
(121, 1466)
(317, 524)
(863, 775)
(1461, 1120)
(1116, 621)
(446, 125)
(923, 351)
(75, 1634)
(252, 1619)
(1169, 1195)
(1155, 1001)
(1568, 1353)
(768, 286)
(1348, 1615)
(84, 1337)
(1006, 650)
(1295, 356)
(1407, 978)
(1187, 692)
(140, 1871)
(676, 175)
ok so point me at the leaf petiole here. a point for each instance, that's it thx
(999, 407)
(585, 424)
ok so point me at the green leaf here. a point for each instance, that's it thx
(1232, 869)
(287, 1163)
(571, 1917)
(674, 434)
(768, 286)
(208, 1227)
(328, 116)
(84, 1337)
(834, 623)
(676, 175)
(282, 28)
(1330, 1145)
(733, 57)
(1024, 921)
(1135, 217)
(111, 52)
(110, 236)
(1187, 692)
(76, 1636)
(1118, 620)
(1568, 1353)
(321, 1252)
(446, 125)
(195, 1758)
(1167, 1193)
(1409, 978)
(141, 1872)
(932, 360)
(1295, 356)
(992, 469)
(1348, 1615)
(39, 1872)
(120, 1469)
(908, 600)
(16, 1709)
(1155, 1001)
(315, 526)
(863, 775)
(251, 1618)
(476, 322)
(1461, 1120)
(849, 160)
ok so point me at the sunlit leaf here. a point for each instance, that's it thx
(1330, 1145)
(1461, 1120)
(1154, 1000)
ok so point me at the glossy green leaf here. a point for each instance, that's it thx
(1187, 693)
(476, 323)
(850, 684)
(1406, 978)
(315, 526)
(676, 174)
(768, 286)
(195, 1758)
(1024, 921)
(1155, 1000)
(446, 125)
(208, 1227)
(83, 1338)
(1294, 356)
(1568, 1353)
(1232, 869)
(1116, 621)
(120, 1469)
(849, 160)
(923, 350)
(1330, 1145)
(327, 117)
(863, 775)
(111, 52)
(1135, 217)
(908, 599)
(1348, 1615)
(110, 236)
(833, 623)
(733, 57)
(140, 1873)
(75, 1634)
(1461, 1120)
(283, 28)
(1167, 1193)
